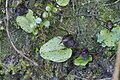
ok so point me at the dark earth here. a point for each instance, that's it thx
(81, 18)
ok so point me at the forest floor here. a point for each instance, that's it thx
(82, 18)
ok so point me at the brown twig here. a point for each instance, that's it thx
(7, 30)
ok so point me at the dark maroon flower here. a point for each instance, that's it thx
(68, 41)
(109, 25)
(21, 9)
(84, 54)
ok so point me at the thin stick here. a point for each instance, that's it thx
(7, 30)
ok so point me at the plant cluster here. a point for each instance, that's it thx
(31, 24)
(109, 36)
(60, 49)
(57, 49)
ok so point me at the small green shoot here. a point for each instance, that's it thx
(28, 22)
(81, 62)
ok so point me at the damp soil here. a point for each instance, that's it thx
(80, 18)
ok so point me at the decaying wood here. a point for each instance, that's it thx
(116, 74)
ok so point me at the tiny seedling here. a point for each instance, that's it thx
(27, 22)
(83, 58)
(81, 62)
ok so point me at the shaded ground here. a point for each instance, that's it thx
(79, 18)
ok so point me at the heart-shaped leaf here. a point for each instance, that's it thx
(55, 51)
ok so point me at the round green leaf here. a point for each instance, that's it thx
(47, 24)
(55, 51)
(80, 61)
(54, 9)
(48, 8)
(45, 15)
(38, 20)
(62, 2)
